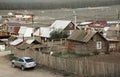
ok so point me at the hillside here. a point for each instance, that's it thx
(53, 4)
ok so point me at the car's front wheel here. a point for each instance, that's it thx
(22, 68)
(13, 65)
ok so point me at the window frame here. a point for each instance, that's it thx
(98, 45)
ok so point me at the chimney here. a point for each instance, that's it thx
(88, 31)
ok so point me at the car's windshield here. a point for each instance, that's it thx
(29, 60)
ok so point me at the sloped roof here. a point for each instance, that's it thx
(102, 22)
(13, 24)
(28, 32)
(106, 28)
(22, 30)
(57, 25)
(81, 36)
(37, 40)
(23, 46)
(37, 32)
(115, 27)
(16, 42)
(43, 32)
(60, 24)
(29, 43)
(25, 31)
(26, 16)
(85, 23)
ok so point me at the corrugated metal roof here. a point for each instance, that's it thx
(60, 24)
(37, 32)
(25, 31)
(28, 32)
(82, 36)
(43, 32)
(57, 25)
(29, 41)
(103, 22)
(106, 28)
(22, 30)
(16, 42)
(85, 23)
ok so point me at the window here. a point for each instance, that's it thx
(29, 60)
(112, 45)
(21, 60)
(92, 38)
(99, 45)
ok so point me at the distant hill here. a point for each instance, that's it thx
(53, 4)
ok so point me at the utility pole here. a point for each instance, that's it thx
(33, 26)
(32, 19)
(118, 25)
(75, 19)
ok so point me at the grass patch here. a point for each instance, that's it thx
(70, 55)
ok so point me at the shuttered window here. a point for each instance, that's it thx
(99, 45)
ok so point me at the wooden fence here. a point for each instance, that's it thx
(83, 68)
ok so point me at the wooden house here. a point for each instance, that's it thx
(81, 41)
(60, 25)
(12, 28)
(4, 34)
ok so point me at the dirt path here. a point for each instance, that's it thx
(7, 71)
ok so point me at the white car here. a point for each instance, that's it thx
(24, 62)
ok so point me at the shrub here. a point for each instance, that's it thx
(96, 52)
(58, 34)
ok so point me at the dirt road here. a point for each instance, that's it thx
(7, 71)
